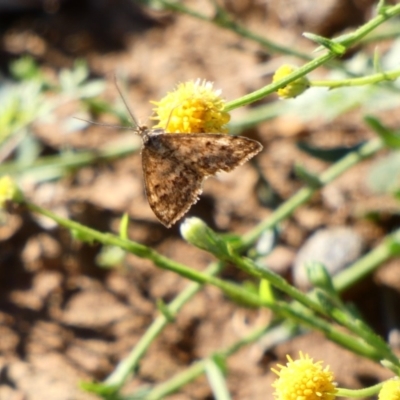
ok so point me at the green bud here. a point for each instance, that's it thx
(294, 88)
(197, 233)
(9, 191)
(319, 277)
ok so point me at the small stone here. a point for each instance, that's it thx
(335, 248)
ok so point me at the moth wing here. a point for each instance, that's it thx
(210, 153)
(171, 187)
(175, 165)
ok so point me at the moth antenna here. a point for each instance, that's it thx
(170, 115)
(101, 124)
(125, 101)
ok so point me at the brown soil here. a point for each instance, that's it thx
(62, 318)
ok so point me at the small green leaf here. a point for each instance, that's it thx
(82, 236)
(110, 256)
(80, 71)
(123, 226)
(308, 177)
(197, 233)
(220, 360)
(266, 292)
(26, 68)
(377, 62)
(164, 310)
(217, 381)
(394, 244)
(319, 277)
(234, 240)
(328, 155)
(332, 46)
(392, 367)
(91, 89)
(390, 138)
(98, 388)
(382, 7)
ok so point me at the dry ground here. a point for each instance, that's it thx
(62, 318)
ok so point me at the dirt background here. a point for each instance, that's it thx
(62, 318)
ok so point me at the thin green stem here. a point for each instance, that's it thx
(375, 350)
(392, 32)
(178, 381)
(366, 80)
(348, 41)
(390, 247)
(89, 234)
(276, 280)
(70, 160)
(131, 362)
(360, 393)
(341, 283)
(369, 26)
(197, 369)
(235, 291)
(363, 331)
(303, 195)
(273, 87)
(332, 332)
(224, 20)
(261, 40)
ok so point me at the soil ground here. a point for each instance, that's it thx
(62, 318)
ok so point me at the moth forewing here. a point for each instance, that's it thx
(175, 166)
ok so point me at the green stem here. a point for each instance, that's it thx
(303, 195)
(313, 64)
(375, 78)
(130, 363)
(70, 160)
(289, 311)
(371, 25)
(89, 234)
(360, 393)
(339, 337)
(332, 332)
(375, 348)
(366, 348)
(390, 247)
(197, 369)
(276, 280)
(273, 87)
(225, 21)
(194, 371)
(392, 32)
(235, 291)
(178, 381)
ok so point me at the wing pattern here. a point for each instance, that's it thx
(175, 165)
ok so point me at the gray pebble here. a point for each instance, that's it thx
(335, 247)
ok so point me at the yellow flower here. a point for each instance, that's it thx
(292, 89)
(194, 107)
(8, 191)
(390, 390)
(304, 380)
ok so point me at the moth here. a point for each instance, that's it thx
(175, 166)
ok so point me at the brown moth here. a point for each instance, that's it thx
(175, 166)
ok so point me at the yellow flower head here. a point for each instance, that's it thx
(292, 89)
(8, 191)
(304, 379)
(390, 390)
(194, 107)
